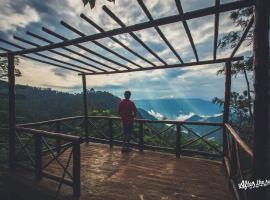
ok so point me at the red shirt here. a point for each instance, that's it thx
(127, 110)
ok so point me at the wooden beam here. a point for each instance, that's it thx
(85, 108)
(46, 62)
(83, 47)
(261, 96)
(60, 54)
(206, 62)
(216, 31)
(99, 44)
(226, 106)
(12, 110)
(47, 57)
(70, 50)
(115, 39)
(133, 35)
(181, 12)
(148, 14)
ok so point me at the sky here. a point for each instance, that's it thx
(19, 16)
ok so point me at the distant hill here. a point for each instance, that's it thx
(36, 104)
(173, 108)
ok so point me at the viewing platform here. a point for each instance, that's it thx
(107, 173)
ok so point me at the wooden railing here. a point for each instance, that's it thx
(238, 161)
(33, 145)
(165, 135)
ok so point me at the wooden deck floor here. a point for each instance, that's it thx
(109, 174)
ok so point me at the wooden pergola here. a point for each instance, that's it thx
(261, 63)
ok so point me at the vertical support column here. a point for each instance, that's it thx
(111, 132)
(76, 168)
(12, 110)
(140, 136)
(58, 140)
(178, 140)
(226, 108)
(85, 109)
(261, 98)
(38, 157)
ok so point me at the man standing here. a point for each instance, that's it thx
(127, 111)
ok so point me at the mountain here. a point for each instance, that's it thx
(202, 130)
(173, 108)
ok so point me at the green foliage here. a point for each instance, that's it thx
(92, 3)
(239, 113)
(240, 18)
(4, 68)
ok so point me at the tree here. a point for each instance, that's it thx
(240, 18)
(92, 3)
(4, 68)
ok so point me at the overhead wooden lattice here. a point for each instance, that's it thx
(102, 68)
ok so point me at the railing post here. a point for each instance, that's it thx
(38, 157)
(12, 110)
(141, 136)
(226, 108)
(76, 168)
(58, 140)
(178, 140)
(233, 160)
(111, 132)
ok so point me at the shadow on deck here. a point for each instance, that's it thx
(109, 174)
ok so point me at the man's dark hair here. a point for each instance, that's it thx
(127, 94)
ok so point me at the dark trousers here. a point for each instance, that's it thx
(127, 131)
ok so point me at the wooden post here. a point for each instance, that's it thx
(85, 108)
(38, 157)
(178, 140)
(76, 168)
(58, 141)
(261, 98)
(111, 132)
(141, 136)
(226, 108)
(12, 110)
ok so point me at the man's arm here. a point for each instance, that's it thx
(134, 109)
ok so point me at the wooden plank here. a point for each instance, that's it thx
(158, 22)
